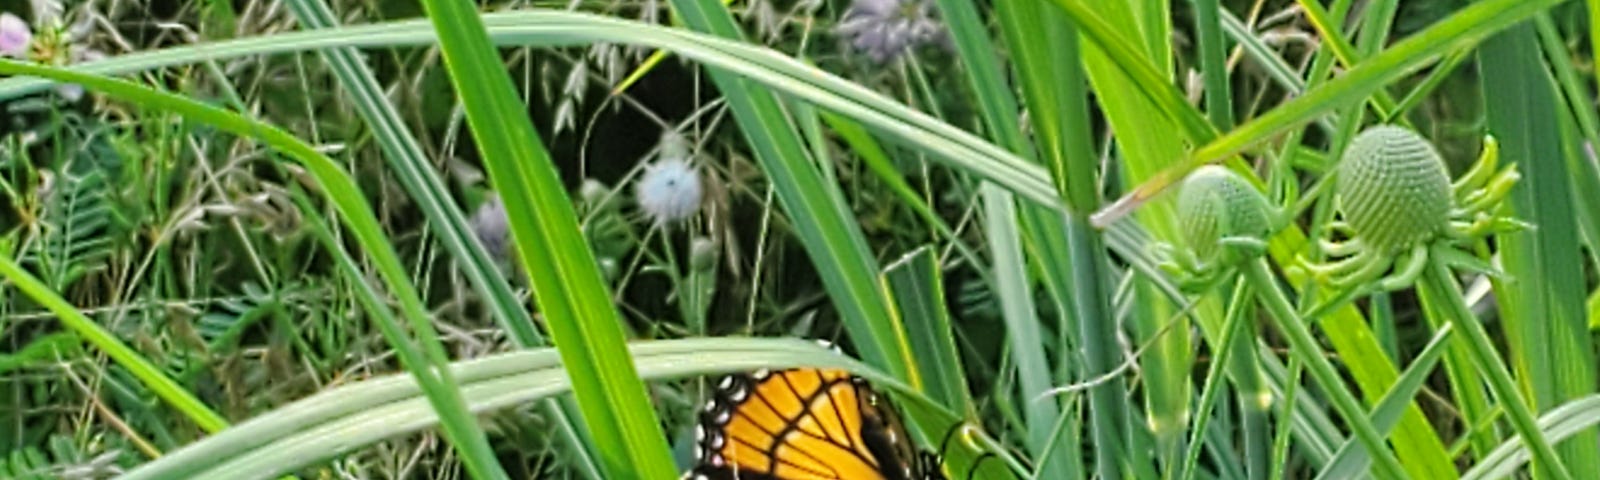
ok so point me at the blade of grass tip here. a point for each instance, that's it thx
(832, 240)
(1461, 29)
(148, 374)
(1041, 228)
(566, 279)
(411, 167)
(460, 428)
(1542, 311)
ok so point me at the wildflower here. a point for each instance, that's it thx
(885, 29)
(489, 222)
(55, 44)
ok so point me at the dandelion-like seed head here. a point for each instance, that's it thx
(885, 29)
(489, 222)
(669, 191)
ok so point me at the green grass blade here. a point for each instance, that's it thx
(410, 165)
(1543, 309)
(1570, 419)
(1351, 460)
(831, 237)
(567, 283)
(1145, 142)
(917, 289)
(148, 374)
(1213, 65)
(1009, 225)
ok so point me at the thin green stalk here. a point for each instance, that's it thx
(1236, 334)
(1305, 347)
(1442, 284)
(1213, 64)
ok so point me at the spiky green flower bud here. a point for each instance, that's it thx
(1214, 203)
(1394, 189)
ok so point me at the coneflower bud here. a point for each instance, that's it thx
(1393, 189)
(1214, 203)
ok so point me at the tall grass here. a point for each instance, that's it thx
(979, 219)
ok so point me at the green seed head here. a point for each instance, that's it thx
(1215, 203)
(1393, 189)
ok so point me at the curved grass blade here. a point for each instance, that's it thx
(352, 416)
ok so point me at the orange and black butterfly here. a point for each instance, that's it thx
(803, 424)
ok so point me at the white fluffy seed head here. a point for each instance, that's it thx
(669, 191)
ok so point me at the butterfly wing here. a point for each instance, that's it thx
(799, 424)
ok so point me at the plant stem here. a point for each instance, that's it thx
(1303, 345)
(1438, 281)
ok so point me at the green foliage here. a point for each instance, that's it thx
(270, 229)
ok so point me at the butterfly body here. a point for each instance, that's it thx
(803, 424)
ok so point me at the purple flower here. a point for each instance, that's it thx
(55, 44)
(15, 36)
(885, 29)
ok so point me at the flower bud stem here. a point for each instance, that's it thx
(1441, 284)
(1305, 347)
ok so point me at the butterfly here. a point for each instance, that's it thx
(803, 424)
